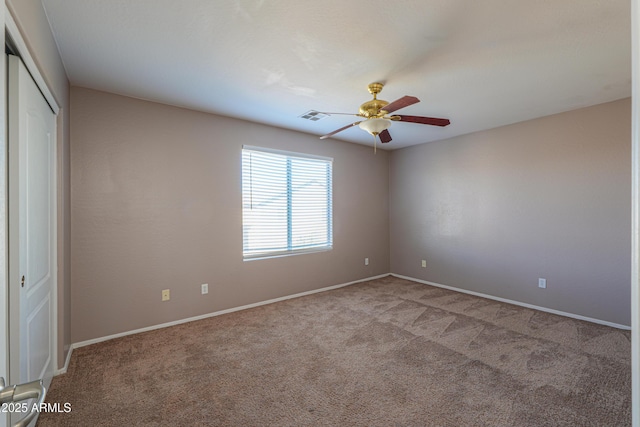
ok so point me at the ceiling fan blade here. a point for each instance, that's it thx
(425, 120)
(384, 136)
(339, 130)
(405, 101)
(341, 114)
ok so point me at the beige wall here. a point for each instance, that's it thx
(156, 204)
(493, 211)
(30, 17)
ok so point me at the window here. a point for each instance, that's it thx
(286, 203)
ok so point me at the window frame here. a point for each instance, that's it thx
(290, 251)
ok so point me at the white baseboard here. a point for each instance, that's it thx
(522, 304)
(63, 370)
(205, 316)
(329, 288)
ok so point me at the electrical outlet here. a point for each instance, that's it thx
(424, 263)
(204, 288)
(542, 283)
(166, 295)
(366, 261)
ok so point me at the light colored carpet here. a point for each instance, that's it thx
(388, 352)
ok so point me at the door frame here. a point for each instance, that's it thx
(21, 49)
(4, 295)
(635, 213)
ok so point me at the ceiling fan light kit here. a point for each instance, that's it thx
(377, 119)
(374, 125)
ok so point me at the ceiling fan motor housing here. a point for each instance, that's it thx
(373, 108)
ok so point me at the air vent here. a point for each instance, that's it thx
(313, 115)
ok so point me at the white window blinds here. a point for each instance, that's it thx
(286, 203)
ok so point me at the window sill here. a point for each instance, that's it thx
(287, 254)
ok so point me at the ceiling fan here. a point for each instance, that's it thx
(377, 119)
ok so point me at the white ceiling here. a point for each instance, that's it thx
(482, 64)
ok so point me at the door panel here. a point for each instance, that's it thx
(35, 239)
(32, 256)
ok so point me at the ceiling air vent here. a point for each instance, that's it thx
(313, 115)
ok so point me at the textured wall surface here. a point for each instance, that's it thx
(156, 204)
(494, 211)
